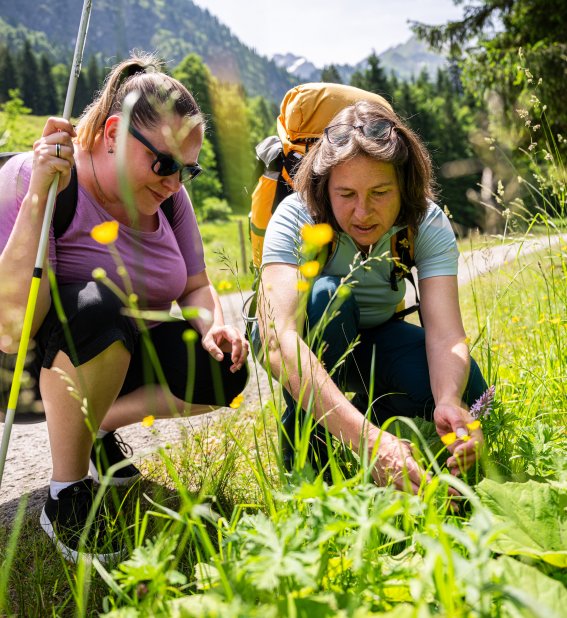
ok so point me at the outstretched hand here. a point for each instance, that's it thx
(467, 444)
(221, 339)
(395, 462)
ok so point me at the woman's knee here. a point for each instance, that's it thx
(324, 297)
(476, 384)
(235, 382)
(332, 319)
(217, 387)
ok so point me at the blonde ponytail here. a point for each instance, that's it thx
(143, 73)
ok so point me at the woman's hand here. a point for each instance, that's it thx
(53, 154)
(395, 462)
(220, 339)
(454, 419)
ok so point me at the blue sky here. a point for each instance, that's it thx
(327, 31)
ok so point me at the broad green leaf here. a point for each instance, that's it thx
(403, 610)
(546, 596)
(535, 519)
(215, 606)
(315, 606)
(206, 576)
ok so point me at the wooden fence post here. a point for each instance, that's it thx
(242, 246)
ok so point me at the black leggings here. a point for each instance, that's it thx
(95, 320)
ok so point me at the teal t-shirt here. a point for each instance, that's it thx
(435, 252)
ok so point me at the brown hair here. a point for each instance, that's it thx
(158, 92)
(403, 149)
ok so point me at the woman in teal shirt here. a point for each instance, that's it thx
(368, 177)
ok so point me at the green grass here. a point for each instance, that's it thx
(219, 530)
(280, 547)
(223, 253)
(23, 134)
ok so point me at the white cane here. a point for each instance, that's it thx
(42, 247)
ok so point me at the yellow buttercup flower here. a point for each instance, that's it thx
(105, 233)
(310, 269)
(474, 425)
(318, 235)
(224, 285)
(449, 438)
(148, 421)
(465, 438)
(236, 402)
(302, 285)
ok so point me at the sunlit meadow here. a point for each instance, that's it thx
(216, 528)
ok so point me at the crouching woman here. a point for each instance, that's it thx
(368, 177)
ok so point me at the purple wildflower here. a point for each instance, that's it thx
(483, 405)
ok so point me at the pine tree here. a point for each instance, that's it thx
(330, 74)
(196, 77)
(404, 102)
(94, 77)
(82, 95)
(8, 77)
(48, 104)
(29, 82)
(194, 74)
(373, 78)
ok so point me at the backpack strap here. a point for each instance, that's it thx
(287, 165)
(66, 200)
(66, 205)
(402, 252)
(6, 156)
(167, 208)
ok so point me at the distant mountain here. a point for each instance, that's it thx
(405, 60)
(174, 28)
(297, 66)
(410, 58)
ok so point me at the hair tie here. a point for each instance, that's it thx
(132, 70)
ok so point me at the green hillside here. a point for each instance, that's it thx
(174, 28)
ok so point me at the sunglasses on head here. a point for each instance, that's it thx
(339, 134)
(166, 165)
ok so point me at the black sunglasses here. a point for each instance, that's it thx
(339, 134)
(166, 165)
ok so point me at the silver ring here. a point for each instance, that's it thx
(58, 150)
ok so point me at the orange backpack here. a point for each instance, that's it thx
(305, 111)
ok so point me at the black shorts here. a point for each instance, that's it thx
(95, 320)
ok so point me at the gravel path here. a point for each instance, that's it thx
(28, 465)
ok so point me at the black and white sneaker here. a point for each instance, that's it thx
(107, 452)
(64, 520)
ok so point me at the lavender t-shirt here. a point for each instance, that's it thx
(157, 263)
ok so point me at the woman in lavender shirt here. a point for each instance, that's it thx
(106, 356)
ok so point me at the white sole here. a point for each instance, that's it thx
(116, 481)
(72, 555)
